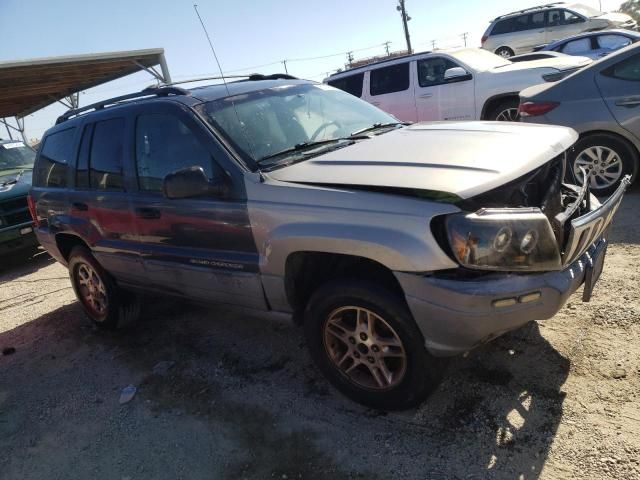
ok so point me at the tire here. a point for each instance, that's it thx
(505, 111)
(591, 150)
(504, 52)
(106, 305)
(414, 371)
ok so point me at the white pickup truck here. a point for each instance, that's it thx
(457, 84)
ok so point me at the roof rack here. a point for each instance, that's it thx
(538, 7)
(147, 92)
(379, 62)
(250, 77)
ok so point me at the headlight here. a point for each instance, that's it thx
(503, 239)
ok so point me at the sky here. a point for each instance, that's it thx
(245, 34)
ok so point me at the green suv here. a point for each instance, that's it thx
(16, 226)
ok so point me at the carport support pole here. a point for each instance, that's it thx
(165, 69)
(20, 128)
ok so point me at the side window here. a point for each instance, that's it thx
(537, 20)
(556, 17)
(612, 42)
(569, 18)
(431, 71)
(163, 145)
(394, 78)
(503, 26)
(105, 162)
(628, 69)
(521, 23)
(82, 166)
(52, 165)
(351, 84)
(582, 45)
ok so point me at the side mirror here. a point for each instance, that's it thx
(191, 182)
(456, 74)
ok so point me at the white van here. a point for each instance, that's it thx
(457, 84)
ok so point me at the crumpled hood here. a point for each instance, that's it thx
(616, 18)
(567, 62)
(21, 187)
(460, 158)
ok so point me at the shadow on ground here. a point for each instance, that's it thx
(23, 262)
(232, 394)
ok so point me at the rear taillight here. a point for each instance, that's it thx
(32, 210)
(484, 39)
(533, 109)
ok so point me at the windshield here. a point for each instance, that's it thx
(277, 119)
(479, 59)
(16, 155)
(584, 10)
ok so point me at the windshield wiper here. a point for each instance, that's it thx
(376, 126)
(13, 180)
(301, 146)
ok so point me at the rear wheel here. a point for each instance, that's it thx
(106, 305)
(364, 340)
(504, 52)
(605, 158)
(505, 111)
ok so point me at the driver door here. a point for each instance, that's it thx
(200, 247)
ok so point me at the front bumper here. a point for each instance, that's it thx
(455, 316)
(17, 237)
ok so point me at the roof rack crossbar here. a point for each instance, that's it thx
(524, 10)
(249, 76)
(147, 92)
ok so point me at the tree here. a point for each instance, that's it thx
(631, 8)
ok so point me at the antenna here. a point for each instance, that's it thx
(195, 7)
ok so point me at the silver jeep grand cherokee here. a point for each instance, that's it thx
(393, 244)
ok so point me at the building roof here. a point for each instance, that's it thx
(29, 85)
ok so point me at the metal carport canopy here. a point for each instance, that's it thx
(29, 85)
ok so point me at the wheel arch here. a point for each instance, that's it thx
(494, 101)
(65, 242)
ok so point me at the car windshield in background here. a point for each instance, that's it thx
(16, 155)
(263, 124)
(584, 10)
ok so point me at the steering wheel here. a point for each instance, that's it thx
(323, 127)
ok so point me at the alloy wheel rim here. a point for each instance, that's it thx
(364, 348)
(93, 293)
(508, 115)
(504, 53)
(603, 167)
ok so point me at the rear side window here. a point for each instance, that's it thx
(82, 166)
(351, 84)
(628, 69)
(521, 23)
(163, 145)
(105, 163)
(52, 167)
(394, 78)
(503, 26)
(613, 42)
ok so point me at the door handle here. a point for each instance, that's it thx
(148, 213)
(628, 102)
(83, 207)
(426, 95)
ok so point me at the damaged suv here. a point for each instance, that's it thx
(392, 244)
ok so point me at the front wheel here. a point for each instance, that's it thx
(605, 159)
(106, 305)
(364, 340)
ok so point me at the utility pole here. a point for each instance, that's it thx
(284, 62)
(464, 37)
(405, 19)
(386, 47)
(433, 44)
(350, 58)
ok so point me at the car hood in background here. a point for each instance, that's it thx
(566, 62)
(615, 18)
(11, 189)
(460, 158)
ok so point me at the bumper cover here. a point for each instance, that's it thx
(458, 315)
(17, 237)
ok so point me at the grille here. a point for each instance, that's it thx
(14, 212)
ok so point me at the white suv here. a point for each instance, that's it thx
(458, 84)
(522, 31)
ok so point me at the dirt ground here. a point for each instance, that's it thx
(228, 393)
